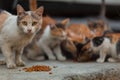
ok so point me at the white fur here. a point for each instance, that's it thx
(12, 40)
(102, 49)
(106, 48)
(106, 44)
(29, 26)
(47, 43)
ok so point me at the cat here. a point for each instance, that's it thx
(49, 43)
(98, 27)
(107, 45)
(67, 46)
(17, 31)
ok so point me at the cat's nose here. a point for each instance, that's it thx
(29, 30)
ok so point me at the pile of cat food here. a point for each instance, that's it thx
(37, 68)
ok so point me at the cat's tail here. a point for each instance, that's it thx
(32, 5)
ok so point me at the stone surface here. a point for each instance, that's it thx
(67, 70)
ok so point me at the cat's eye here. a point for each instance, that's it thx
(34, 23)
(24, 23)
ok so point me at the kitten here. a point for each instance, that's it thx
(98, 27)
(16, 32)
(67, 45)
(50, 42)
(107, 45)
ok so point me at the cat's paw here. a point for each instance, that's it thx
(99, 60)
(111, 60)
(21, 63)
(62, 58)
(52, 58)
(11, 66)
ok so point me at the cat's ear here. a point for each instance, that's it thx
(40, 11)
(65, 22)
(20, 9)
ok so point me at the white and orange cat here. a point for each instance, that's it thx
(107, 45)
(16, 31)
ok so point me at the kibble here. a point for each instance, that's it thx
(37, 68)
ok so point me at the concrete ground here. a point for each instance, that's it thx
(67, 70)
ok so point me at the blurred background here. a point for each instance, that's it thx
(77, 10)
(68, 8)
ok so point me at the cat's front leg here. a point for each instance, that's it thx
(48, 52)
(9, 57)
(18, 57)
(58, 53)
(102, 57)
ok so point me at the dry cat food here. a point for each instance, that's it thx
(37, 68)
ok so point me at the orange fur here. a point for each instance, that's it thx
(56, 32)
(33, 5)
(98, 27)
(78, 32)
(48, 20)
(114, 37)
